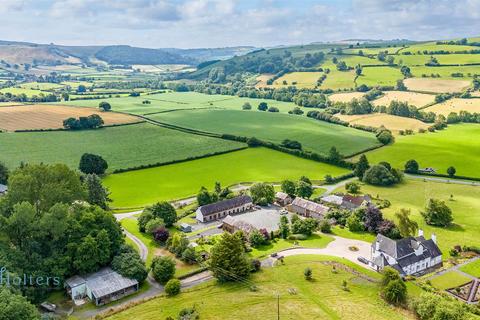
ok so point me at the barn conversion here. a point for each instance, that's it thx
(409, 256)
(221, 209)
(308, 208)
(100, 287)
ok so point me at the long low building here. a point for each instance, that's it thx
(100, 287)
(308, 208)
(221, 209)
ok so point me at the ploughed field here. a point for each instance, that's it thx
(142, 187)
(458, 146)
(122, 147)
(392, 122)
(34, 117)
(317, 136)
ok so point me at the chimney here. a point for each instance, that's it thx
(434, 238)
(377, 245)
(420, 232)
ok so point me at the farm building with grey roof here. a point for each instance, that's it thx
(221, 209)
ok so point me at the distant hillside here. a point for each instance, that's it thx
(20, 53)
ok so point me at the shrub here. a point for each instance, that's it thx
(153, 225)
(104, 106)
(411, 166)
(395, 292)
(256, 265)
(172, 288)
(163, 269)
(308, 273)
(297, 237)
(247, 106)
(437, 213)
(325, 226)
(161, 234)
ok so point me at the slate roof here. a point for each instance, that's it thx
(220, 206)
(333, 199)
(310, 205)
(403, 250)
(281, 195)
(239, 224)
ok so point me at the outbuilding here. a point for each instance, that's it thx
(100, 287)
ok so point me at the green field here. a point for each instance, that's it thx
(179, 100)
(122, 147)
(337, 80)
(27, 92)
(473, 268)
(413, 195)
(382, 76)
(421, 59)
(457, 146)
(446, 72)
(143, 187)
(321, 298)
(432, 46)
(318, 136)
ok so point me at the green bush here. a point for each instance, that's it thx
(173, 287)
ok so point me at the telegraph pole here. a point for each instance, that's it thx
(278, 306)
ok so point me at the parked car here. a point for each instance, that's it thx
(362, 260)
(273, 255)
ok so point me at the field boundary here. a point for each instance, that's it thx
(161, 164)
(63, 129)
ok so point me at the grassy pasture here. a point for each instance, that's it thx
(353, 60)
(339, 80)
(301, 80)
(40, 86)
(162, 102)
(20, 90)
(432, 46)
(122, 147)
(142, 187)
(446, 71)
(345, 97)
(435, 85)
(42, 116)
(394, 123)
(413, 98)
(413, 194)
(314, 135)
(322, 298)
(456, 105)
(456, 146)
(390, 50)
(383, 76)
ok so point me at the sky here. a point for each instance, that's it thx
(222, 23)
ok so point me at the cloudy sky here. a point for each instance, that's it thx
(220, 23)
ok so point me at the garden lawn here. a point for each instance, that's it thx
(314, 135)
(413, 194)
(473, 268)
(321, 298)
(155, 249)
(122, 147)
(450, 279)
(314, 241)
(142, 187)
(168, 101)
(458, 146)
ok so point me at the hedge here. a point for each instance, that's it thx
(299, 153)
(159, 164)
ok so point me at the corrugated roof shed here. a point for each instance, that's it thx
(107, 281)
